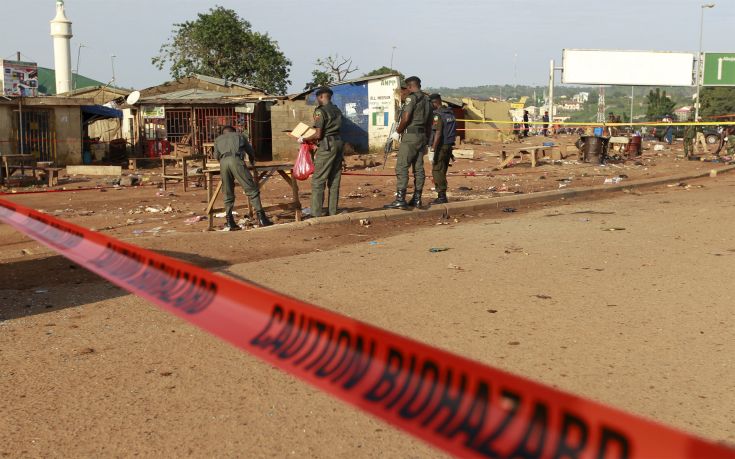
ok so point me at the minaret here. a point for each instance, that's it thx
(61, 32)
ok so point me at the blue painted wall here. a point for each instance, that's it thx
(352, 100)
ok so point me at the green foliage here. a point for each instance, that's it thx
(221, 44)
(658, 104)
(319, 78)
(717, 101)
(383, 71)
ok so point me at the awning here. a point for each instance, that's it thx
(92, 113)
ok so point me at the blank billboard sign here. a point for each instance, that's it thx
(628, 68)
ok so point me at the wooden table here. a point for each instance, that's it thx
(185, 176)
(261, 175)
(535, 152)
(12, 163)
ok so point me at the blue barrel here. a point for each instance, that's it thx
(597, 131)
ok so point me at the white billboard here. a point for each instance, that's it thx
(628, 68)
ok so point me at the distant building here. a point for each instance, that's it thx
(581, 97)
(682, 113)
(570, 106)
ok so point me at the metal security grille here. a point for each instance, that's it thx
(210, 122)
(178, 124)
(34, 133)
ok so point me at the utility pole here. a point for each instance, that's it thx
(551, 90)
(632, 96)
(391, 56)
(112, 60)
(698, 76)
(79, 55)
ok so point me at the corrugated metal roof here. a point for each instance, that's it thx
(353, 81)
(188, 94)
(223, 82)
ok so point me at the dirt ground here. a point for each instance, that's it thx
(625, 300)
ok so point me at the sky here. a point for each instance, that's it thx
(448, 43)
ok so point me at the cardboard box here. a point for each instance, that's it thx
(302, 130)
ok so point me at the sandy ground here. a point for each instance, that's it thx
(639, 318)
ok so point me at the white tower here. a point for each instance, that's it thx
(61, 32)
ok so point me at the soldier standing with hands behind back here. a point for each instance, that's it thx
(329, 155)
(415, 126)
(228, 150)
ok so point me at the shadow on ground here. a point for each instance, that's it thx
(40, 285)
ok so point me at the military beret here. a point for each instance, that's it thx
(324, 90)
(413, 79)
(435, 96)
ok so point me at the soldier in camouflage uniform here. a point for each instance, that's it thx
(413, 130)
(329, 155)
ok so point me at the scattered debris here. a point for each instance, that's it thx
(510, 210)
(613, 229)
(438, 249)
(153, 210)
(365, 222)
(195, 219)
(613, 180)
(492, 311)
(541, 296)
(455, 267)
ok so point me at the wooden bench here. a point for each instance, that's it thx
(534, 152)
(52, 173)
(185, 177)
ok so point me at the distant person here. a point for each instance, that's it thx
(525, 123)
(689, 135)
(444, 131)
(329, 154)
(669, 133)
(545, 119)
(228, 150)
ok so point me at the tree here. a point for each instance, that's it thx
(221, 44)
(319, 78)
(717, 101)
(658, 105)
(383, 71)
(337, 67)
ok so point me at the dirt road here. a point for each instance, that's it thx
(624, 300)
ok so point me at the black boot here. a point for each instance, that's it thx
(263, 220)
(231, 224)
(441, 198)
(416, 200)
(399, 203)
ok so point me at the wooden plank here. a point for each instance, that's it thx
(463, 154)
(94, 170)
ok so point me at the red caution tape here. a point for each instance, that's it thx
(461, 406)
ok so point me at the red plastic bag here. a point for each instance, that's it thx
(304, 166)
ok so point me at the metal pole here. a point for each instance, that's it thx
(112, 60)
(79, 55)
(698, 72)
(551, 91)
(632, 96)
(391, 57)
(20, 124)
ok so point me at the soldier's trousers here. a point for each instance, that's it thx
(233, 168)
(411, 155)
(688, 146)
(440, 167)
(327, 172)
(701, 142)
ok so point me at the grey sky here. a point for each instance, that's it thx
(447, 43)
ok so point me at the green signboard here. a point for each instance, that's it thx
(719, 69)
